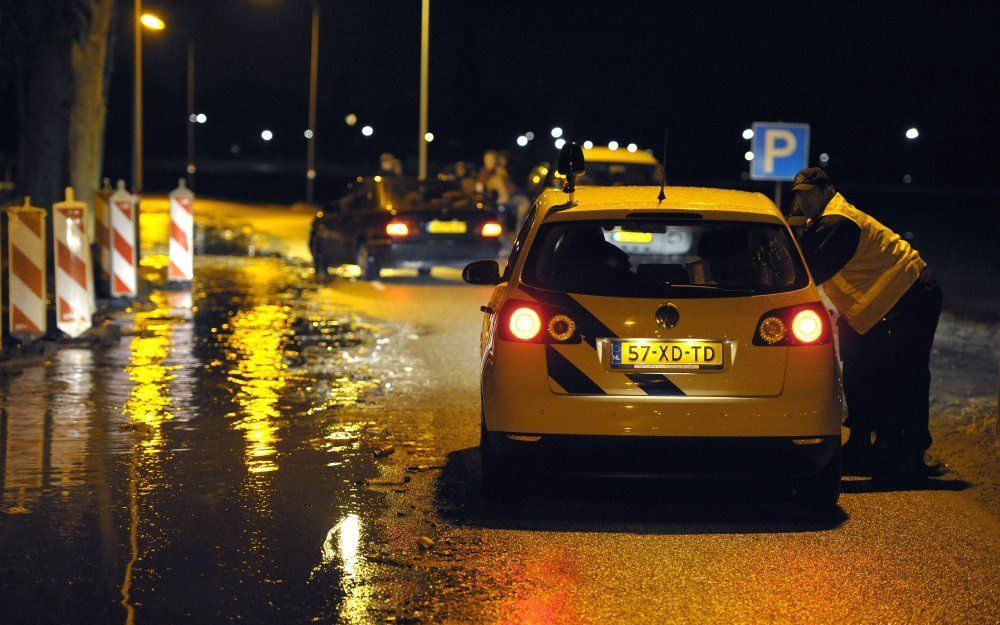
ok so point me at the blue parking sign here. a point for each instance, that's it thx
(779, 149)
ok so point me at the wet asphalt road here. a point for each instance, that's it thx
(277, 453)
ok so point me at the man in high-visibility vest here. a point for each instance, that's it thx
(889, 303)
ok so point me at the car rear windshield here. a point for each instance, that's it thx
(407, 194)
(664, 258)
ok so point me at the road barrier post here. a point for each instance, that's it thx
(102, 237)
(123, 243)
(74, 277)
(181, 265)
(26, 267)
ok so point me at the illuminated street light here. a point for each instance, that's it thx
(529, 135)
(748, 134)
(748, 156)
(522, 141)
(912, 133)
(612, 145)
(587, 145)
(266, 135)
(428, 136)
(351, 119)
(152, 22)
(556, 132)
(907, 179)
(367, 131)
(824, 158)
(560, 143)
(632, 147)
(201, 118)
(192, 118)
(308, 134)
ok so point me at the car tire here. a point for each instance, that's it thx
(821, 490)
(495, 479)
(370, 269)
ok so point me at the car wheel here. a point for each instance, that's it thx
(424, 271)
(370, 268)
(822, 489)
(496, 479)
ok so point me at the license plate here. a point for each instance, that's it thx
(688, 354)
(447, 227)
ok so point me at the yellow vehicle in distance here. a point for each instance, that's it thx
(648, 331)
(605, 167)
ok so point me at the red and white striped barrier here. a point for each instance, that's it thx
(26, 254)
(74, 277)
(102, 231)
(181, 266)
(123, 252)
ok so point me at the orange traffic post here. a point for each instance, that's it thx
(74, 278)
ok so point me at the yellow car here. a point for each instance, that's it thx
(629, 336)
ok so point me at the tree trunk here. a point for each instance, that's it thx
(90, 54)
(48, 94)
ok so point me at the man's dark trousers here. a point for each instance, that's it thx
(887, 372)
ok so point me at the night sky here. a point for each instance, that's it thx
(859, 73)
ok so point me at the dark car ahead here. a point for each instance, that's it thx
(394, 221)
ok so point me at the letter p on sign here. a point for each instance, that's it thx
(780, 150)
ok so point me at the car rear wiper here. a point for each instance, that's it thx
(710, 287)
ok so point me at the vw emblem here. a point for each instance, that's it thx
(667, 316)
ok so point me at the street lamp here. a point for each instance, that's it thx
(147, 20)
(425, 39)
(313, 79)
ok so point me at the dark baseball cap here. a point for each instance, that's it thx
(810, 178)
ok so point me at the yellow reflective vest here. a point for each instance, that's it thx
(882, 269)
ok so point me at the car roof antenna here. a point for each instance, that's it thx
(663, 171)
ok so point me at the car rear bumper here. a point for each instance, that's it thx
(665, 456)
(456, 252)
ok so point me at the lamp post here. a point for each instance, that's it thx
(425, 35)
(311, 130)
(154, 23)
(191, 119)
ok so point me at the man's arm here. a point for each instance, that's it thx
(828, 244)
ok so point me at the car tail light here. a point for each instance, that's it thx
(397, 229)
(531, 322)
(525, 323)
(492, 229)
(807, 324)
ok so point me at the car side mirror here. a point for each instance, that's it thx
(571, 164)
(482, 272)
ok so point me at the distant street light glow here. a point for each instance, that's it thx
(748, 156)
(587, 145)
(428, 137)
(632, 147)
(367, 131)
(912, 133)
(308, 134)
(529, 135)
(560, 143)
(748, 134)
(522, 141)
(612, 145)
(824, 158)
(201, 118)
(351, 119)
(907, 178)
(152, 22)
(556, 132)
(266, 135)
(193, 118)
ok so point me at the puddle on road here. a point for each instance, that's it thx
(196, 467)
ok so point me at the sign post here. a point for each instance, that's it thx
(779, 150)
(74, 279)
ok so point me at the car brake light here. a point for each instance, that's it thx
(807, 326)
(492, 229)
(525, 323)
(397, 229)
